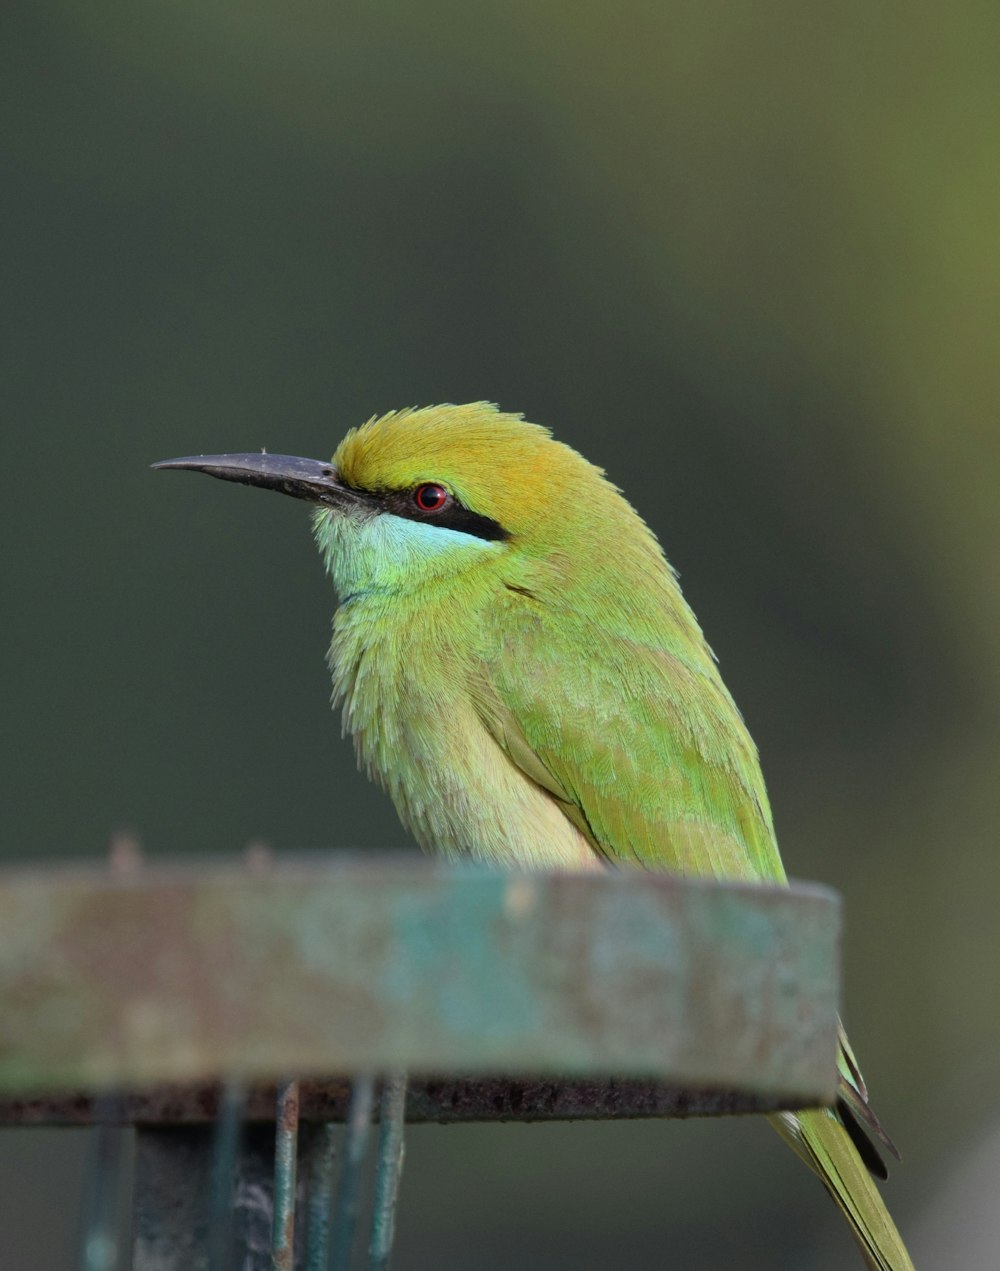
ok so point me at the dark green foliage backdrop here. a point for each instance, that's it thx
(745, 257)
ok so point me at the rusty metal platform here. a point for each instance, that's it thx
(196, 1002)
(354, 964)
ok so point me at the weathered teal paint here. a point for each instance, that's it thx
(320, 1187)
(361, 965)
(225, 1150)
(389, 1166)
(348, 1196)
(107, 1167)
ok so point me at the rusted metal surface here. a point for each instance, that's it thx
(285, 1173)
(443, 1101)
(360, 964)
(176, 1163)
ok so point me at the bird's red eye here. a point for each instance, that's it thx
(430, 497)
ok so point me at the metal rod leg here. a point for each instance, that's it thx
(392, 1119)
(285, 1151)
(105, 1173)
(345, 1211)
(225, 1149)
(322, 1156)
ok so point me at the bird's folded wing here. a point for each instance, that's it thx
(640, 745)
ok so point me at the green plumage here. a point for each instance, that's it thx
(525, 700)
(642, 742)
(571, 645)
(517, 666)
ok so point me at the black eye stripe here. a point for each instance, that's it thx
(454, 516)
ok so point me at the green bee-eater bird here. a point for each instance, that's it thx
(518, 668)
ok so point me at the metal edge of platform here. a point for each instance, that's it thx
(183, 974)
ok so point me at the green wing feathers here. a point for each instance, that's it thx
(821, 1141)
(665, 776)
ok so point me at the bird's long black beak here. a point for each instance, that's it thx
(301, 478)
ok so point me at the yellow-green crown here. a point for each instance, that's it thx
(495, 463)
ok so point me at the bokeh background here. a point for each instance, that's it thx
(743, 255)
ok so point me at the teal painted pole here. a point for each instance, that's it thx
(225, 1150)
(392, 1120)
(285, 1151)
(320, 1194)
(105, 1174)
(345, 1212)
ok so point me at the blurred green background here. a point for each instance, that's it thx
(746, 257)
